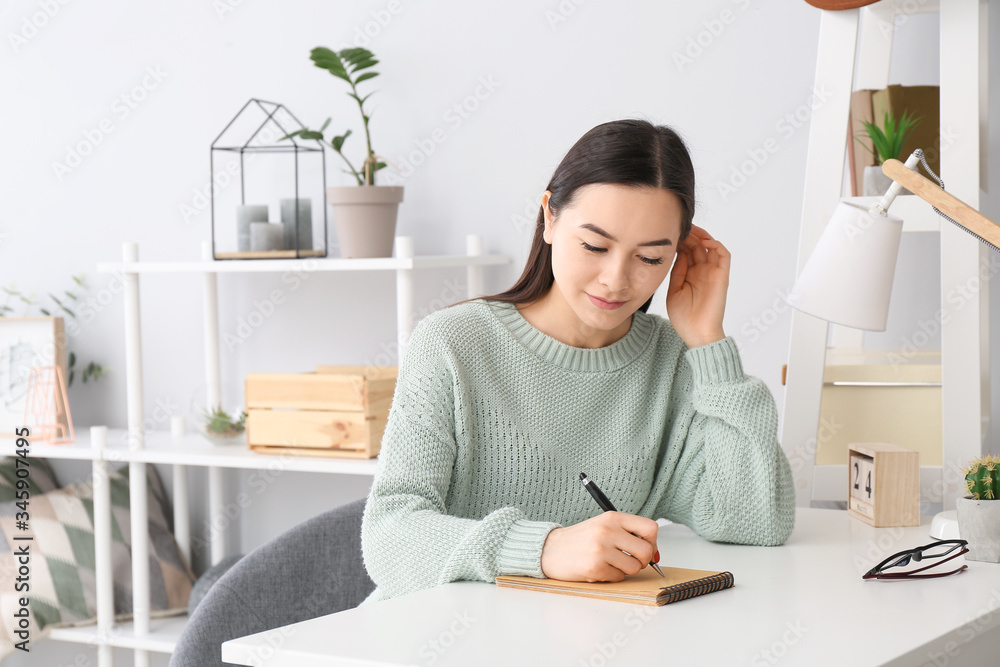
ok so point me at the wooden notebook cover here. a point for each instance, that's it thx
(647, 587)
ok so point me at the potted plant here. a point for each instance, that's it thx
(887, 142)
(364, 215)
(222, 429)
(979, 512)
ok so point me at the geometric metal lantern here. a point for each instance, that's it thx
(274, 213)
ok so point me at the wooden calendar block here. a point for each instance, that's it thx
(883, 484)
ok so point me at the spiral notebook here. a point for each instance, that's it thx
(647, 587)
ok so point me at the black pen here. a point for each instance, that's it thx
(605, 504)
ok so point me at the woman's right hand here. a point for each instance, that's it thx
(593, 550)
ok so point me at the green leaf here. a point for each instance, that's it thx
(326, 59)
(356, 55)
(365, 77)
(327, 123)
(72, 374)
(72, 358)
(338, 142)
(45, 312)
(380, 165)
(293, 134)
(71, 313)
(364, 65)
(310, 134)
(70, 295)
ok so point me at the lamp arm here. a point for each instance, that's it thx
(886, 201)
(944, 202)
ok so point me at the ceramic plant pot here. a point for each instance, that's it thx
(365, 218)
(979, 523)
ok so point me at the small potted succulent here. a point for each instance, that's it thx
(365, 214)
(222, 429)
(979, 512)
(887, 142)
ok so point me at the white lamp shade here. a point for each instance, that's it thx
(848, 278)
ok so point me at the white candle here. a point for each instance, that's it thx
(245, 214)
(266, 236)
(288, 210)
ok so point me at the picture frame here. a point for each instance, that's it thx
(26, 342)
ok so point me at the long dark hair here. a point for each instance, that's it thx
(628, 152)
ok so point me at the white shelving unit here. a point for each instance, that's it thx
(964, 352)
(137, 448)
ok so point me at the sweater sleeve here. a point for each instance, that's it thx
(732, 481)
(408, 539)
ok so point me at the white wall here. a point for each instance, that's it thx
(559, 67)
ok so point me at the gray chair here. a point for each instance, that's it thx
(312, 570)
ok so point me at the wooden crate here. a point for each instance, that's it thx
(334, 411)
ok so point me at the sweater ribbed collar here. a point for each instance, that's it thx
(597, 360)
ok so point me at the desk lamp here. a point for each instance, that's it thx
(848, 278)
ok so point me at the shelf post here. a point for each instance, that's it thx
(404, 295)
(965, 262)
(838, 34)
(474, 272)
(182, 519)
(103, 571)
(137, 470)
(213, 384)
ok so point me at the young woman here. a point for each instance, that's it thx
(502, 401)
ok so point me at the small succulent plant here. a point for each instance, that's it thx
(218, 422)
(981, 478)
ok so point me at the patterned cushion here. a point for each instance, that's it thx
(39, 476)
(63, 590)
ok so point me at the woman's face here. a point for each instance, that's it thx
(615, 243)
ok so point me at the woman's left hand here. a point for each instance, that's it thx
(696, 294)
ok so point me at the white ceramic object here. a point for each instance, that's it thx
(979, 523)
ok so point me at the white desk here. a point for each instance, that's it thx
(801, 603)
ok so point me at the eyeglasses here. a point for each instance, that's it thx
(937, 553)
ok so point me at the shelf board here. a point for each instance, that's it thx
(162, 637)
(192, 449)
(305, 265)
(80, 449)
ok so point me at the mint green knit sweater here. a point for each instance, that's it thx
(492, 421)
